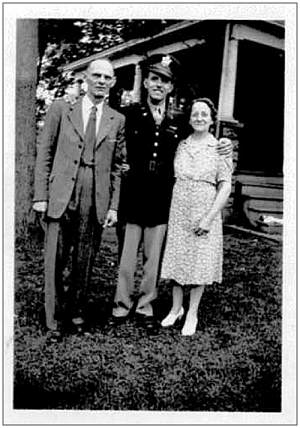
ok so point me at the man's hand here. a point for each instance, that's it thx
(125, 167)
(111, 218)
(224, 147)
(40, 206)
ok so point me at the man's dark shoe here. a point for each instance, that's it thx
(53, 336)
(78, 329)
(78, 326)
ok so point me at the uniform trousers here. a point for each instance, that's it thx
(152, 239)
(74, 239)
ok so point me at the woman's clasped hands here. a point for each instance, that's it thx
(202, 227)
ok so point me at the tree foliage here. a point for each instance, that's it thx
(65, 40)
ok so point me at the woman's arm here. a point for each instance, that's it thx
(224, 189)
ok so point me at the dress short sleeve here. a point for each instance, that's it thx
(225, 169)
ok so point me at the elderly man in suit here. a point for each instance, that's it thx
(77, 184)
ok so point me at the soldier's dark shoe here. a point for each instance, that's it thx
(53, 336)
(151, 326)
(148, 322)
(140, 319)
(115, 321)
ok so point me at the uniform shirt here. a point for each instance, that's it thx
(155, 109)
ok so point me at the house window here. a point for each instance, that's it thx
(259, 105)
(121, 92)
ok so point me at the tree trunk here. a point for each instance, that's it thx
(26, 80)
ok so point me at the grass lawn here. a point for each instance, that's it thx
(232, 363)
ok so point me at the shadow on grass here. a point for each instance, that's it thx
(233, 363)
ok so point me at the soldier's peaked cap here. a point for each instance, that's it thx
(163, 64)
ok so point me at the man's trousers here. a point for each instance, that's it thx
(152, 239)
(71, 240)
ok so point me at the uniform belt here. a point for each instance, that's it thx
(85, 163)
(153, 166)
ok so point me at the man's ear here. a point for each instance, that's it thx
(145, 83)
(171, 87)
(113, 82)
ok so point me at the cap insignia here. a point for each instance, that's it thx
(166, 61)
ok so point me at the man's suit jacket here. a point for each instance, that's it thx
(59, 154)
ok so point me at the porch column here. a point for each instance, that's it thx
(226, 106)
(137, 84)
(77, 87)
(228, 79)
(80, 82)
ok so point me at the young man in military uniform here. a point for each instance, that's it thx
(152, 137)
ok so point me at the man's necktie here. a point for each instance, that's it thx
(157, 115)
(90, 137)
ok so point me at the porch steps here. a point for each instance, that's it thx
(263, 192)
(260, 197)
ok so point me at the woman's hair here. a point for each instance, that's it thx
(213, 112)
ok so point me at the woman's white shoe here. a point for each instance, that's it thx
(171, 318)
(190, 326)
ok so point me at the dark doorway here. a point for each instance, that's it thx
(201, 68)
(259, 105)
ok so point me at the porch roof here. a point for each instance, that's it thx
(131, 47)
(126, 46)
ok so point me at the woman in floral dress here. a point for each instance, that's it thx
(194, 249)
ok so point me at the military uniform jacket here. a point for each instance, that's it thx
(146, 190)
(59, 157)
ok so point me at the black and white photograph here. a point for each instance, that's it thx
(149, 207)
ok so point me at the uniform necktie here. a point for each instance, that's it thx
(157, 115)
(90, 137)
